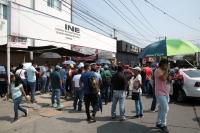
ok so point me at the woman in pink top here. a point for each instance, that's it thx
(178, 83)
(162, 88)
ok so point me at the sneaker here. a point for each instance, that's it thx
(136, 117)
(141, 115)
(158, 125)
(54, 105)
(93, 118)
(113, 117)
(59, 106)
(88, 119)
(164, 129)
(14, 120)
(125, 119)
(26, 114)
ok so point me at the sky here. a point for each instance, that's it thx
(132, 27)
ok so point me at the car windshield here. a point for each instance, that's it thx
(192, 73)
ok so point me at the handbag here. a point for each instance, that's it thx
(135, 95)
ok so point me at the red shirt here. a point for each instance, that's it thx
(148, 72)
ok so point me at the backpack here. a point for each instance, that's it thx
(93, 87)
(143, 74)
(3, 72)
(107, 79)
(127, 75)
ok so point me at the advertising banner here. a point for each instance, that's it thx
(29, 23)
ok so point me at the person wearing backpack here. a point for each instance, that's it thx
(105, 86)
(128, 74)
(89, 84)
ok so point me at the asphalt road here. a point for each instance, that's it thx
(182, 118)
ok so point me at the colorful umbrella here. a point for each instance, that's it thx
(68, 62)
(168, 47)
(100, 103)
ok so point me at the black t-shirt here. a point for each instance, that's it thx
(118, 81)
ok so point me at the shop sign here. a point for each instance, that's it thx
(18, 42)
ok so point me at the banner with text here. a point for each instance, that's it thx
(29, 23)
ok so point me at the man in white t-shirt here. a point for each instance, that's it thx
(78, 92)
(21, 73)
(31, 71)
(43, 78)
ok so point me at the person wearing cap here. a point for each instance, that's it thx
(129, 74)
(56, 83)
(162, 89)
(31, 73)
(118, 83)
(177, 84)
(105, 89)
(137, 83)
(63, 75)
(145, 82)
(89, 97)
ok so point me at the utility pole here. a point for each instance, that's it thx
(114, 32)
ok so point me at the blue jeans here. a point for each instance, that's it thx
(154, 101)
(139, 105)
(32, 86)
(57, 93)
(145, 84)
(17, 106)
(163, 109)
(78, 95)
(24, 83)
(43, 83)
(118, 95)
(47, 87)
(105, 92)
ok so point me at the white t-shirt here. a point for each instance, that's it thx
(31, 74)
(20, 72)
(43, 69)
(16, 91)
(135, 83)
(76, 80)
(47, 73)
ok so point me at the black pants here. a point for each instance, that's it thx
(3, 87)
(176, 89)
(93, 100)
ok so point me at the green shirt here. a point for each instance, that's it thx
(55, 79)
(103, 76)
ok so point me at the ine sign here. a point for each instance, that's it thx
(30, 23)
(18, 42)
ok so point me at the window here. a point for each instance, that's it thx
(56, 4)
(192, 73)
(5, 12)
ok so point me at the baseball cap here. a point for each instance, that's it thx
(126, 66)
(137, 68)
(81, 64)
(58, 67)
(176, 69)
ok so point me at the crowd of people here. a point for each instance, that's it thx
(85, 82)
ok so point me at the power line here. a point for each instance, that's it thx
(144, 18)
(172, 17)
(124, 18)
(135, 16)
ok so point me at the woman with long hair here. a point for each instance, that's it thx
(17, 90)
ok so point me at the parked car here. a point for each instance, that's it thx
(191, 86)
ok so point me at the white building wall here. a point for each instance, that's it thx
(39, 5)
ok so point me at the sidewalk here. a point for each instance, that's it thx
(35, 110)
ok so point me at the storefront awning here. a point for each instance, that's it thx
(49, 48)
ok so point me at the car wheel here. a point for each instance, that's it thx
(181, 96)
